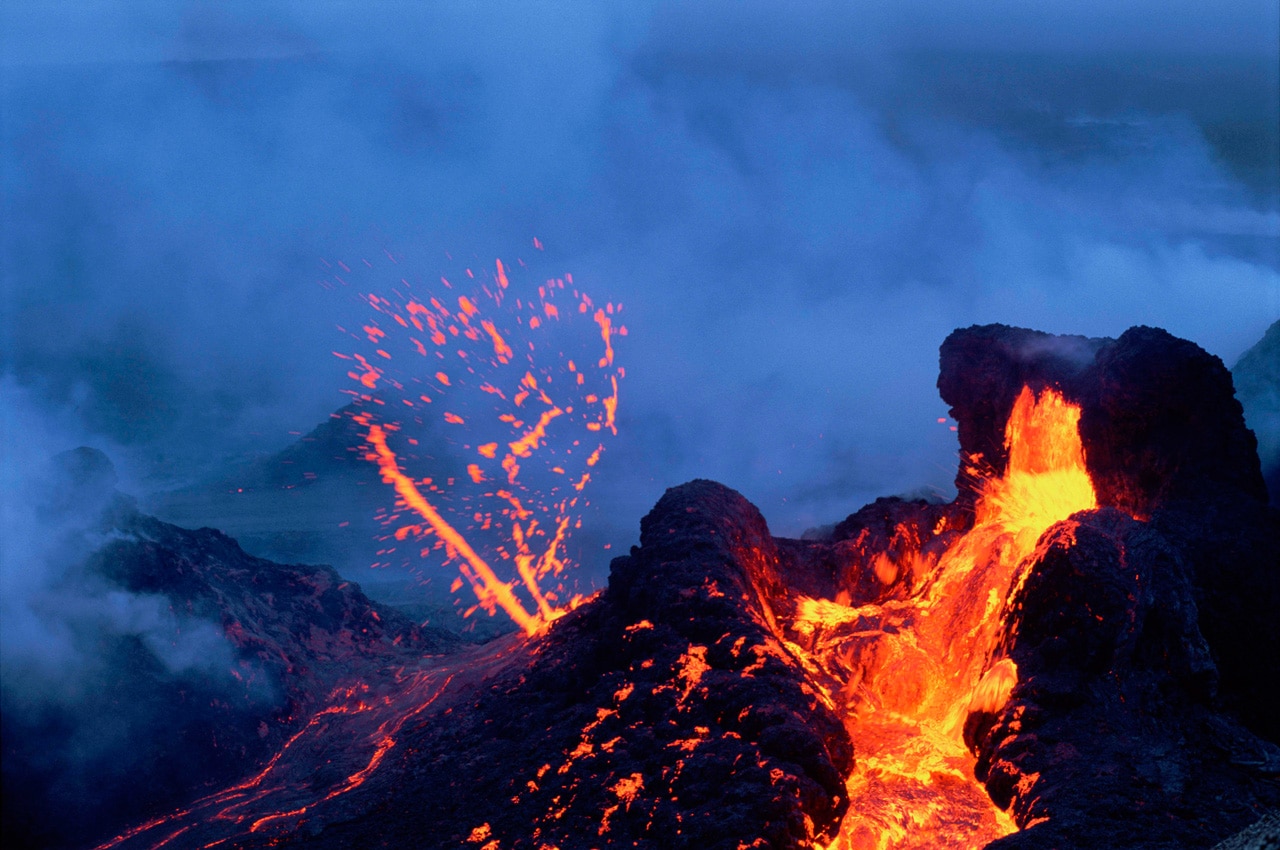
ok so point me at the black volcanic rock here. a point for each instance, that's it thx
(665, 713)
(1164, 440)
(1111, 737)
(1147, 630)
(304, 627)
(983, 369)
(194, 661)
(1159, 421)
(672, 684)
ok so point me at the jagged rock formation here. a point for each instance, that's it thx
(1146, 631)
(198, 661)
(1164, 441)
(1160, 419)
(664, 714)
(1111, 734)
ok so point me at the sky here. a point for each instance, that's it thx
(795, 203)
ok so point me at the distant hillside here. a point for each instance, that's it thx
(184, 661)
(313, 502)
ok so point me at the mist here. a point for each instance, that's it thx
(794, 208)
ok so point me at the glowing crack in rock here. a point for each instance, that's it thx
(530, 394)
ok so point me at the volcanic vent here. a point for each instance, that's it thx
(1081, 650)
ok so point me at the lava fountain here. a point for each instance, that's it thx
(906, 673)
(533, 453)
(523, 391)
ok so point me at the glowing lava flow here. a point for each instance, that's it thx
(910, 671)
(289, 790)
(532, 418)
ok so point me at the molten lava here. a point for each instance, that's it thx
(533, 453)
(289, 790)
(906, 673)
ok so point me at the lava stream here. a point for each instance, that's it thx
(289, 791)
(908, 672)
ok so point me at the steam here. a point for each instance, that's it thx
(90, 669)
(53, 610)
(795, 207)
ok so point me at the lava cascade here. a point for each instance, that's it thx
(908, 672)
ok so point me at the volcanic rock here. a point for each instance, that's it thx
(1165, 441)
(1137, 647)
(1111, 737)
(663, 714)
(197, 661)
(1145, 637)
(1263, 835)
(1160, 419)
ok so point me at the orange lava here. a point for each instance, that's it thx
(906, 673)
(489, 589)
(496, 348)
(287, 791)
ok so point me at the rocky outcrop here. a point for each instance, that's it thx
(1160, 419)
(1112, 736)
(192, 662)
(663, 714)
(1165, 441)
(1145, 637)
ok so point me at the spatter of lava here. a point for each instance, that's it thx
(525, 385)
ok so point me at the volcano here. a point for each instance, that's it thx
(1080, 650)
